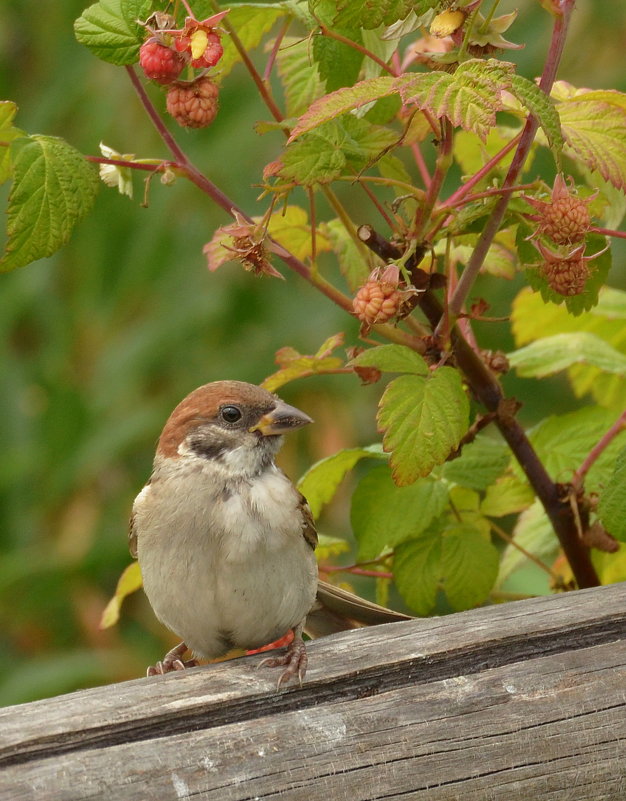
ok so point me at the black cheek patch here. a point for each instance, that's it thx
(207, 449)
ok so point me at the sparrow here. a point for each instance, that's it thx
(226, 542)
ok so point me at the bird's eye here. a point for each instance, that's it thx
(230, 414)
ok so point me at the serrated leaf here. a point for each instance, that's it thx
(417, 571)
(354, 265)
(469, 566)
(130, 581)
(356, 14)
(534, 533)
(392, 359)
(338, 64)
(8, 133)
(423, 419)
(552, 354)
(343, 100)
(384, 515)
(594, 128)
(507, 496)
(111, 29)
(250, 21)
(542, 107)
(612, 506)
(299, 76)
(290, 227)
(469, 98)
(53, 188)
(479, 465)
(472, 153)
(562, 442)
(319, 484)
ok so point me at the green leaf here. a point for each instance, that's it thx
(479, 465)
(343, 100)
(299, 76)
(392, 359)
(417, 571)
(338, 63)
(338, 146)
(354, 265)
(469, 565)
(384, 515)
(612, 506)
(542, 108)
(594, 127)
(507, 496)
(329, 547)
(53, 188)
(319, 484)
(552, 354)
(356, 14)
(534, 533)
(469, 97)
(8, 133)
(562, 443)
(423, 419)
(111, 29)
(250, 21)
(290, 227)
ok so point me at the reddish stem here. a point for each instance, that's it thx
(559, 33)
(618, 426)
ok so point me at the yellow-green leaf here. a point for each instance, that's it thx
(130, 581)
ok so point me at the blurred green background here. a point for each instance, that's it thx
(100, 341)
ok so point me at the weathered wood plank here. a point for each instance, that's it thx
(518, 702)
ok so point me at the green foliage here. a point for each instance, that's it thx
(552, 354)
(53, 188)
(613, 500)
(8, 133)
(423, 420)
(111, 29)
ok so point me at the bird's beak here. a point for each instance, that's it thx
(281, 419)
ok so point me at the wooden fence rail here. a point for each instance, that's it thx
(519, 702)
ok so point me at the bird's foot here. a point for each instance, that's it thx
(173, 660)
(294, 660)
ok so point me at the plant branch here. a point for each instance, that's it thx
(488, 391)
(559, 33)
(356, 46)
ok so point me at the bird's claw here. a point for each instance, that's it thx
(295, 661)
(172, 661)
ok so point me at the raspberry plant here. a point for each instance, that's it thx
(396, 99)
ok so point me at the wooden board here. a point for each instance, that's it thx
(520, 702)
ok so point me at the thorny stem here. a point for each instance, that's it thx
(618, 426)
(559, 33)
(444, 160)
(488, 391)
(272, 58)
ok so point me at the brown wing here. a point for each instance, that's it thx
(309, 532)
(339, 610)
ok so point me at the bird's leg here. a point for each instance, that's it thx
(172, 661)
(295, 659)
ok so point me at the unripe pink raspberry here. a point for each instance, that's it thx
(194, 104)
(565, 219)
(566, 277)
(159, 62)
(212, 53)
(383, 297)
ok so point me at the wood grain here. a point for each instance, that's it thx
(521, 701)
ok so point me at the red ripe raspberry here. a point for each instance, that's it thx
(193, 105)
(159, 62)
(212, 53)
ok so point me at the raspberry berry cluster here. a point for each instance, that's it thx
(167, 51)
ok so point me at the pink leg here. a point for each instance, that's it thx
(295, 659)
(173, 660)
